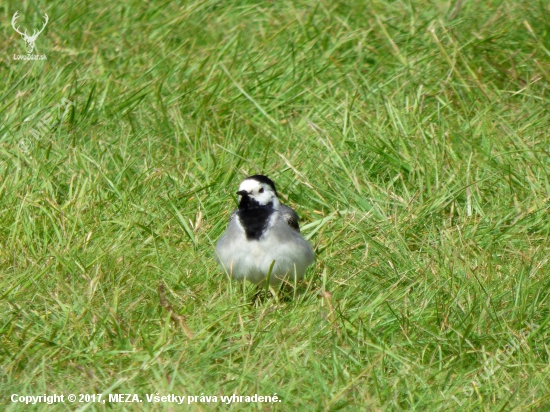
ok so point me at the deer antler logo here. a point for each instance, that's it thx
(29, 40)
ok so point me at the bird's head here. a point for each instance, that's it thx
(257, 191)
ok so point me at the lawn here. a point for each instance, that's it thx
(412, 137)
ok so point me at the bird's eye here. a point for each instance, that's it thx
(261, 190)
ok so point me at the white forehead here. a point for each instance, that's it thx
(250, 185)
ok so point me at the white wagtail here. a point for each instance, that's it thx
(263, 237)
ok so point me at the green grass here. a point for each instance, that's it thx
(410, 136)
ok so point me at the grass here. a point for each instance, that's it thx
(410, 136)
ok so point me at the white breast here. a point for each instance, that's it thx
(251, 259)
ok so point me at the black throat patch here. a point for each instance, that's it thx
(254, 217)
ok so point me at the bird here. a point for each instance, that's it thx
(263, 238)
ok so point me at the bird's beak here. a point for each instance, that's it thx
(242, 193)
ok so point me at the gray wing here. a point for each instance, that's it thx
(290, 216)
